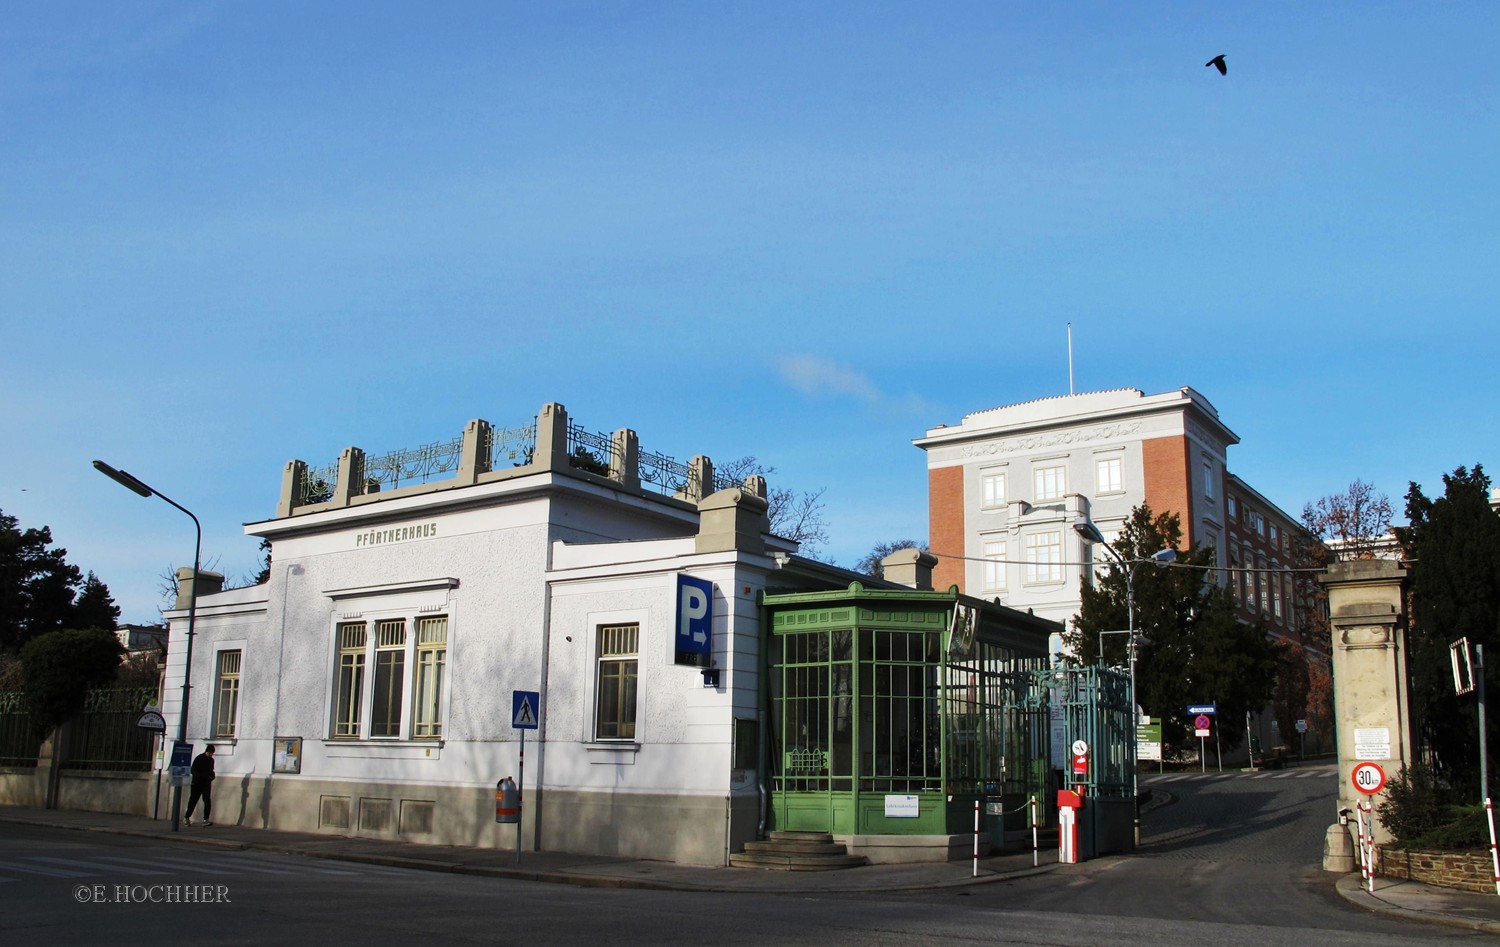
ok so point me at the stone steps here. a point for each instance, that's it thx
(796, 851)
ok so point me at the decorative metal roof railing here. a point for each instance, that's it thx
(319, 484)
(501, 448)
(671, 477)
(509, 446)
(589, 451)
(419, 465)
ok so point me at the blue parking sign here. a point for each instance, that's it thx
(694, 644)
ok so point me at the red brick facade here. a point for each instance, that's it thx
(1168, 481)
(945, 525)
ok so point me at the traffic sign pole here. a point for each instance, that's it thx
(520, 794)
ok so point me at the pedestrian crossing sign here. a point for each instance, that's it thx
(525, 713)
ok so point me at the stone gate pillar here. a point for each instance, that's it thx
(1366, 606)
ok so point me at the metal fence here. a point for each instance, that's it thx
(20, 743)
(105, 737)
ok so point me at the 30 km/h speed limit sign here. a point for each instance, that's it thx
(1368, 778)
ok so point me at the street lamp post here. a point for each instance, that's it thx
(1091, 533)
(135, 485)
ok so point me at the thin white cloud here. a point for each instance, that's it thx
(819, 376)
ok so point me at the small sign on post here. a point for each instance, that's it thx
(151, 719)
(182, 761)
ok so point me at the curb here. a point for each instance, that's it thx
(579, 880)
(1351, 888)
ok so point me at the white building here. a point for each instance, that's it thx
(370, 686)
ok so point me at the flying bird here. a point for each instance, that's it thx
(1218, 62)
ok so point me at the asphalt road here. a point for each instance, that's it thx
(1231, 862)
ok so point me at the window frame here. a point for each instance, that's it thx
(1116, 464)
(988, 476)
(406, 711)
(1033, 544)
(223, 676)
(628, 666)
(995, 566)
(1043, 475)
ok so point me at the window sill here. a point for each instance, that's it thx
(383, 749)
(619, 752)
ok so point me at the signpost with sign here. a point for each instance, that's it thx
(1080, 758)
(1148, 741)
(1202, 728)
(525, 714)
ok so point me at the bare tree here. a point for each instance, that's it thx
(795, 515)
(1353, 523)
(871, 563)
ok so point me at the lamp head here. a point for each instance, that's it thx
(123, 479)
(1163, 556)
(1088, 531)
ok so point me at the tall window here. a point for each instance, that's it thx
(1275, 583)
(618, 659)
(390, 668)
(226, 694)
(351, 685)
(994, 565)
(1108, 476)
(1051, 482)
(1044, 557)
(390, 678)
(993, 485)
(432, 658)
(1208, 480)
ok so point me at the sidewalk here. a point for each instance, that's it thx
(1414, 901)
(556, 867)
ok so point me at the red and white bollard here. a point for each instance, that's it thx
(1068, 804)
(1489, 811)
(1035, 851)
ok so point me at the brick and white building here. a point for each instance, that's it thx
(1007, 485)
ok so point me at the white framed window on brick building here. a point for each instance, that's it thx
(389, 678)
(1044, 556)
(992, 487)
(1109, 476)
(1051, 482)
(994, 566)
(226, 693)
(618, 647)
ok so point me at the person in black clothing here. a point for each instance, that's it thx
(203, 785)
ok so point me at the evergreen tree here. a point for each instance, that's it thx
(61, 667)
(1452, 546)
(37, 584)
(1197, 650)
(95, 607)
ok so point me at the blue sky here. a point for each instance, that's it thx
(237, 234)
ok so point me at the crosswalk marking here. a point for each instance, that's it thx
(90, 865)
(1283, 774)
(37, 870)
